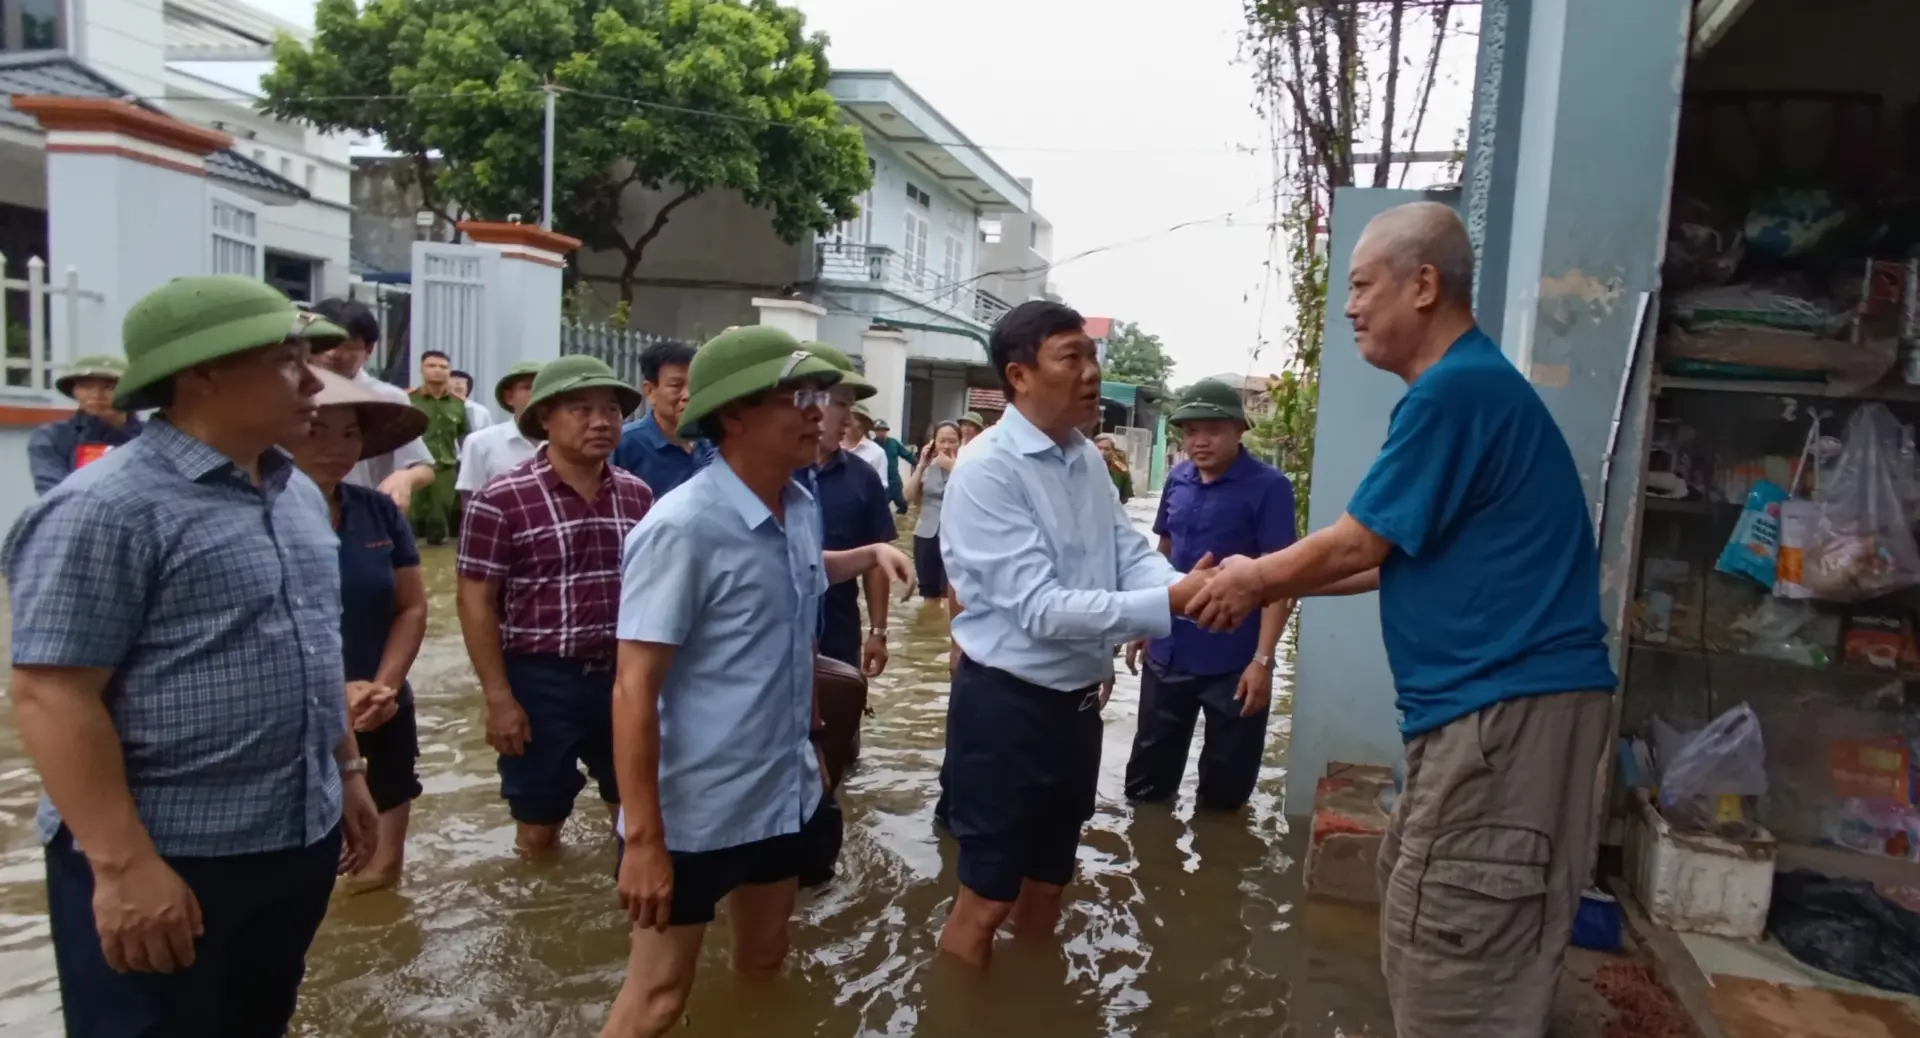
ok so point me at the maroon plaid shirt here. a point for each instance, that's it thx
(555, 555)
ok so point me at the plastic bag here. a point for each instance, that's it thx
(1713, 782)
(1860, 546)
(1782, 629)
(1845, 927)
(1755, 544)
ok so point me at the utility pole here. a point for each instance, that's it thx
(546, 185)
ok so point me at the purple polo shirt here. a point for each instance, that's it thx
(1247, 511)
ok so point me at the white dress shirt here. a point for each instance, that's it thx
(374, 471)
(875, 455)
(494, 451)
(478, 417)
(1050, 573)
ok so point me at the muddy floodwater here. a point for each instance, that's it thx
(1180, 924)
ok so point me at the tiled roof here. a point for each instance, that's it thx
(54, 73)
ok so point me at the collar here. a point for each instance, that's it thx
(1027, 438)
(196, 461)
(834, 461)
(1242, 466)
(652, 435)
(549, 476)
(746, 503)
(87, 420)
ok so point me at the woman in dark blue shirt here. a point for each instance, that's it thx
(383, 605)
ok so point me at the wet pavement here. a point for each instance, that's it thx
(1180, 924)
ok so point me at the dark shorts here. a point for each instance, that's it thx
(569, 706)
(260, 912)
(1022, 768)
(702, 880)
(390, 751)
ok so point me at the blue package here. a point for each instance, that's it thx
(1753, 550)
(1596, 925)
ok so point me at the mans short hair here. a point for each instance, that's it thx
(457, 373)
(353, 317)
(430, 354)
(1017, 335)
(667, 353)
(1431, 234)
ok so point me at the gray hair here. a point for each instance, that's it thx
(1427, 234)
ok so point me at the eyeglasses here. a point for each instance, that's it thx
(804, 399)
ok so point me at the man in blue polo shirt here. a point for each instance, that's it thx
(1220, 501)
(854, 514)
(1473, 526)
(651, 446)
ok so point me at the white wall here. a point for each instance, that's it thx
(949, 214)
(124, 40)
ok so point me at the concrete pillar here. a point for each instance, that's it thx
(796, 317)
(127, 209)
(885, 351)
(524, 295)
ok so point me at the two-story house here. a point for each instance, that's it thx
(282, 201)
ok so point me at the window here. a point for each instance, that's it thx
(951, 266)
(260, 156)
(918, 233)
(919, 197)
(1033, 235)
(312, 175)
(236, 240)
(32, 24)
(286, 167)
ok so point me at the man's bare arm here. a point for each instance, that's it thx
(641, 673)
(480, 628)
(1358, 584)
(1323, 559)
(63, 719)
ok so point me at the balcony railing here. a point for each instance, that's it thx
(881, 267)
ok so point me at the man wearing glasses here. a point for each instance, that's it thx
(539, 593)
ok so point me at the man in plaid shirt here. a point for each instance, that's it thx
(539, 595)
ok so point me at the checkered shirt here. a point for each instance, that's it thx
(555, 555)
(216, 605)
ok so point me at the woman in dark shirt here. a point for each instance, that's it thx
(383, 605)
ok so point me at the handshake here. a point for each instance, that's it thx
(1219, 596)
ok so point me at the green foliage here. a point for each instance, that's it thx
(733, 97)
(1136, 357)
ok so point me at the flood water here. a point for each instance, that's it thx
(1178, 924)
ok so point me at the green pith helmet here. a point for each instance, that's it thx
(860, 411)
(567, 375)
(973, 418)
(882, 426)
(1209, 400)
(524, 369)
(319, 332)
(741, 362)
(100, 365)
(862, 389)
(193, 320)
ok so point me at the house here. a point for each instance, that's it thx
(1016, 255)
(176, 56)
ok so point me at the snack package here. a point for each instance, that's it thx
(1753, 549)
(1797, 521)
(1878, 770)
(1880, 637)
(1860, 546)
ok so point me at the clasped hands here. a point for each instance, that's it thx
(1219, 596)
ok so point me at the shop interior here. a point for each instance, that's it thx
(1770, 721)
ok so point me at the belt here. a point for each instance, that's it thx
(585, 664)
(1089, 696)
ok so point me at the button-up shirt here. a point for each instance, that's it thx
(712, 572)
(555, 554)
(646, 452)
(1247, 510)
(446, 424)
(854, 513)
(215, 603)
(491, 453)
(374, 471)
(1050, 574)
(56, 449)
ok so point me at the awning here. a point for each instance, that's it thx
(1122, 393)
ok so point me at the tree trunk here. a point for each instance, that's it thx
(1384, 167)
(638, 248)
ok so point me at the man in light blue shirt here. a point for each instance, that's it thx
(1051, 577)
(713, 708)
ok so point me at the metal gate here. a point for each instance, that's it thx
(452, 311)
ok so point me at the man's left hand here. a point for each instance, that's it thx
(1235, 591)
(873, 655)
(1256, 689)
(359, 822)
(1106, 692)
(399, 487)
(896, 564)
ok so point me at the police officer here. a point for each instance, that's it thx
(58, 448)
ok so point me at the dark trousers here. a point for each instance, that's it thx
(1170, 704)
(928, 568)
(260, 911)
(898, 495)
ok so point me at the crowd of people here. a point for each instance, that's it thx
(215, 613)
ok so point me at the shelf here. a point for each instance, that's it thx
(1896, 392)
(1690, 506)
(1852, 670)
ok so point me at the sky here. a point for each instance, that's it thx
(1130, 120)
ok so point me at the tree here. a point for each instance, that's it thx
(678, 96)
(1135, 357)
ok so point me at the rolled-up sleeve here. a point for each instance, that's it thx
(1141, 564)
(411, 453)
(80, 576)
(996, 556)
(660, 583)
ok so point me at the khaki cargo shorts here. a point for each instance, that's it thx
(1491, 844)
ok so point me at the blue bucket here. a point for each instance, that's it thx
(1596, 926)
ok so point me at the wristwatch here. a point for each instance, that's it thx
(876, 632)
(356, 766)
(1264, 661)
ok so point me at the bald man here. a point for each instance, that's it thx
(1473, 527)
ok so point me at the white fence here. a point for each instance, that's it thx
(43, 341)
(619, 347)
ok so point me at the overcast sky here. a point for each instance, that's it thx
(1130, 120)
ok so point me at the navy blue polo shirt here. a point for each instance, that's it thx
(1247, 511)
(375, 540)
(854, 513)
(661, 464)
(1492, 589)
